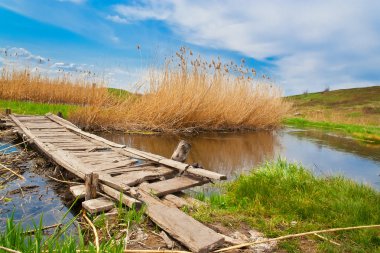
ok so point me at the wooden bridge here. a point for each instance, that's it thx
(120, 172)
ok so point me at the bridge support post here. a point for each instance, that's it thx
(91, 185)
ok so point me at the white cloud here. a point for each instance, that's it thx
(151, 10)
(317, 43)
(117, 19)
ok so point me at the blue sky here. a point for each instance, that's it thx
(302, 45)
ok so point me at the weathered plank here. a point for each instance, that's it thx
(177, 201)
(172, 185)
(126, 200)
(78, 191)
(98, 205)
(136, 177)
(193, 234)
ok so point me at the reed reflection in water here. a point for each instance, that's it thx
(227, 153)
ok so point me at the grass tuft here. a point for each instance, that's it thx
(283, 198)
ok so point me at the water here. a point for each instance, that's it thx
(236, 153)
(30, 199)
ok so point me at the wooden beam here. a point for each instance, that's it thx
(98, 205)
(91, 185)
(78, 191)
(181, 152)
(126, 200)
(172, 185)
(191, 233)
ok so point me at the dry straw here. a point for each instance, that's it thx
(188, 94)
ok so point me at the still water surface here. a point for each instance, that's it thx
(236, 153)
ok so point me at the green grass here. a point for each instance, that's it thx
(281, 198)
(14, 236)
(359, 106)
(364, 133)
(33, 108)
(119, 93)
(340, 98)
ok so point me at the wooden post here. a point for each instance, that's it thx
(91, 185)
(59, 114)
(181, 152)
(8, 111)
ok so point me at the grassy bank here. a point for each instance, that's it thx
(363, 133)
(282, 198)
(355, 112)
(34, 108)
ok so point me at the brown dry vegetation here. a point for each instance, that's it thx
(27, 86)
(188, 94)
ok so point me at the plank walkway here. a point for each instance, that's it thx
(135, 176)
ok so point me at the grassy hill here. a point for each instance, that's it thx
(355, 111)
(353, 106)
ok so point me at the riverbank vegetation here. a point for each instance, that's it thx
(188, 94)
(370, 134)
(355, 112)
(281, 198)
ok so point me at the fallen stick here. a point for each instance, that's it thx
(326, 239)
(294, 236)
(9, 250)
(95, 232)
(44, 228)
(63, 181)
(18, 175)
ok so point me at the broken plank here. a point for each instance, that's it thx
(137, 177)
(177, 201)
(78, 191)
(191, 233)
(172, 185)
(98, 205)
(126, 200)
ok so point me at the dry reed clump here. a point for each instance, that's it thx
(27, 86)
(194, 97)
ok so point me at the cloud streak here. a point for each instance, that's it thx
(314, 43)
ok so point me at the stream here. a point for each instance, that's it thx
(227, 153)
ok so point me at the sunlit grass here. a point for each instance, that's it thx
(35, 108)
(365, 133)
(283, 198)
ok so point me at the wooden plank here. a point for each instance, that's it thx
(137, 177)
(70, 126)
(98, 205)
(193, 234)
(172, 185)
(78, 191)
(109, 165)
(126, 200)
(177, 201)
(31, 118)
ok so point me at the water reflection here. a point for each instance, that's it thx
(234, 153)
(227, 153)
